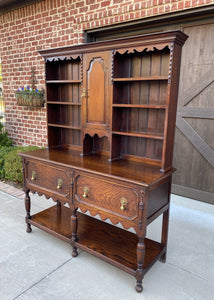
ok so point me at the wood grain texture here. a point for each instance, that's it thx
(140, 173)
(154, 39)
(96, 93)
(96, 103)
(98, 237)
(63, 88)
(105, 153)
(139, 80)
(104, 198)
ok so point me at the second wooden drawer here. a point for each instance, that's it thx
(97, 192)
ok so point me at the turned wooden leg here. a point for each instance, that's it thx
(140, 260)
(74, 233)
(27, 208)
(164, 237)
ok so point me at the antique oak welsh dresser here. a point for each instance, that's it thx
(111, 110)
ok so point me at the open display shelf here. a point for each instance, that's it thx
(63, 101)
(99, 237)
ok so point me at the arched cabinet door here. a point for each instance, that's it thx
(97, 93)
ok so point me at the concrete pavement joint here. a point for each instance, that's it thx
(189, 272)
(35, 284)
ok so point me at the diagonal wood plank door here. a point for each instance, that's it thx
(194, 140)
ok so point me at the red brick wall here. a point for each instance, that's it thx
(57, 23)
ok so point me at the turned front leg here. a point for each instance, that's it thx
(165, 224)
(164, 237)
(27, 208)
(74, 233)
(140, 260)
(141, 235)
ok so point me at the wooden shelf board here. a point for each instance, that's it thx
(158, 106)
(63, 81)
(64, 126)
(156, 136)
(71, 147)
(63, 103)
(113, 244)
(141, 78)
(54, 221)
(142, 159)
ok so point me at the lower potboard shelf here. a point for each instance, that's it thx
(108, 242)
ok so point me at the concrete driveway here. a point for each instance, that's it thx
(39, 266)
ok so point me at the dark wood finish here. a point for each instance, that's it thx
(196, 87)
(137, 101)
(99, 237)
(111, 119)
(127, 171)
(105, 197)
(139, 106)
(74, 239)
(64, 102)
(141, 78)
(107, 186)
(96, 100)
(27, 208)
(52, 181)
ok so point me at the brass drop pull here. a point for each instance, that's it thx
(86, 192)
(33, 175)
(83, 93)
(123, 203)
(59, 183)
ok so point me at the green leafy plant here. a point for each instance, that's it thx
(4, 139)
(3, 152)
(13, 165)
(5, 147)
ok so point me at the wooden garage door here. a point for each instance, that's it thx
(194, 140)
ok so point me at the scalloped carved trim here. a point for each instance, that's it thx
(141, 49)
(102, 216)
(99, 134)
(47, 196)
(74, 56)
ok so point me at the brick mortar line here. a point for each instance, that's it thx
(11, 190)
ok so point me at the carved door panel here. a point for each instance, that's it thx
(96, 96)
(194, 146)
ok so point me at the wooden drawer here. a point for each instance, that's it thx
(101, 194)
(50, 178)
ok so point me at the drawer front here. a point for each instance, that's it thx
(114, 198)
(48, 177)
